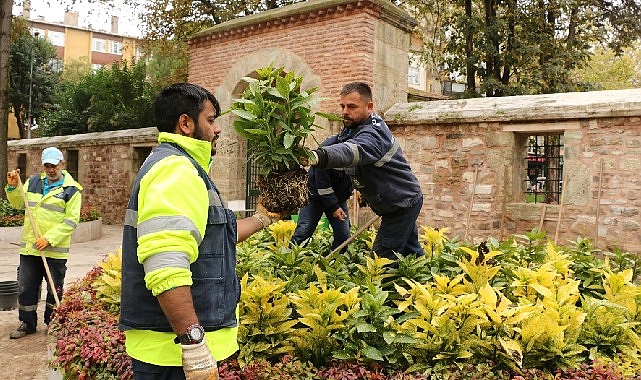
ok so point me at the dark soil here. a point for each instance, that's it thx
(284, 193)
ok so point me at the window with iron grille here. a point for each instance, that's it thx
(544, 166)
(252, 191)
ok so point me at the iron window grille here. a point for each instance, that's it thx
(544, 166)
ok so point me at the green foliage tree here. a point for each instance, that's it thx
(605, 70)
(522, 47)
(110, 99)
(30, 57)
(5, 32)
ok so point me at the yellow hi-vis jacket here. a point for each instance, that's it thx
(56, 214)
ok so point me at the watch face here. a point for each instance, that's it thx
(196, 333)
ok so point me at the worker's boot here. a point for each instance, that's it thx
(22, 331)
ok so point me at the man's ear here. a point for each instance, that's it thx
(370, 106)
(185, 125)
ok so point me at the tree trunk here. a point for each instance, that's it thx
(5, 40)
(470, 62)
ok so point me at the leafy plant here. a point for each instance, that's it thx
(264, 330)
(88, 343)
(9, 216)
(275, 116)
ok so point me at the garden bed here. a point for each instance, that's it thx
(86, 231)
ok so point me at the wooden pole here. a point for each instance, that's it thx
(545, 207)
(354, 236)
(558, 220)
(504, 202)
(469, 210)
(598, 205)
(27, 210)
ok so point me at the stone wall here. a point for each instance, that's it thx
(470, 153)
(107, 164)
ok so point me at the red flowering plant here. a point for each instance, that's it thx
(86, 341)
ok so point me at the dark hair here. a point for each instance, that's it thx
(178, 99)
(363, 89)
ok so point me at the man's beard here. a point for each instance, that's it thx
(198, 135)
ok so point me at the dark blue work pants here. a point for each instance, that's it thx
(399, 233)
(310, 215)
(30, 277)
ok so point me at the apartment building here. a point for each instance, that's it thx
(73, 43)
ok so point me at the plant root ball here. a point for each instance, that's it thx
(284, 192)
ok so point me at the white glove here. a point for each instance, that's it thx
(265, 217)
(198, 362)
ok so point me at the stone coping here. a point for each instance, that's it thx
(524, 108)
(88, 139)
(86, 231)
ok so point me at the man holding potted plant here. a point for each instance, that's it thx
(375, 162)
(179, 286)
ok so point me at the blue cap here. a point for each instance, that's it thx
(52, 156)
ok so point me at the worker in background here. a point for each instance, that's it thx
(54, 201)
(329, 190)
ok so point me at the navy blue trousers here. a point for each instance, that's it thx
(30, 276)
(399, 233)
(310, 215)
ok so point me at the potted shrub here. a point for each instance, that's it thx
(275, 115)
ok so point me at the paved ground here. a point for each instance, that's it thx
(27, 358)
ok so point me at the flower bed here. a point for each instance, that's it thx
(521, 309)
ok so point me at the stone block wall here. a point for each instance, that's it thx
(107, 164)
(469, 157)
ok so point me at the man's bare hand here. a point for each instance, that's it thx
(339, 214)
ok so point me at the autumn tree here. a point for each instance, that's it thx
(31, 78)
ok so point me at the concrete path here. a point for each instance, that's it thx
(82, 257)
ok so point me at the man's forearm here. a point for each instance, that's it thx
(178, 308)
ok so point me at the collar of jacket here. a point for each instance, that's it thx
(199, 150)
(68, 180)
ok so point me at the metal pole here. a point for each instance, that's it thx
(29, 116)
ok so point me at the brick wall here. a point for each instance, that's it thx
(328, 42)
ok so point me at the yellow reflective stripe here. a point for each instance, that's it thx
(173, 259)
(388, 156)
(169, 223)
(70, 223)
(355, 153)
(326, 191)
(131, 218)
(52, 207)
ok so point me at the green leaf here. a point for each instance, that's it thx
(244, 114)
(372, 353)
(288, 140)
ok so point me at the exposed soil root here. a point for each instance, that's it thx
(284, 193)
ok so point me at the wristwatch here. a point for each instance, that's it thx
(194, 335)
